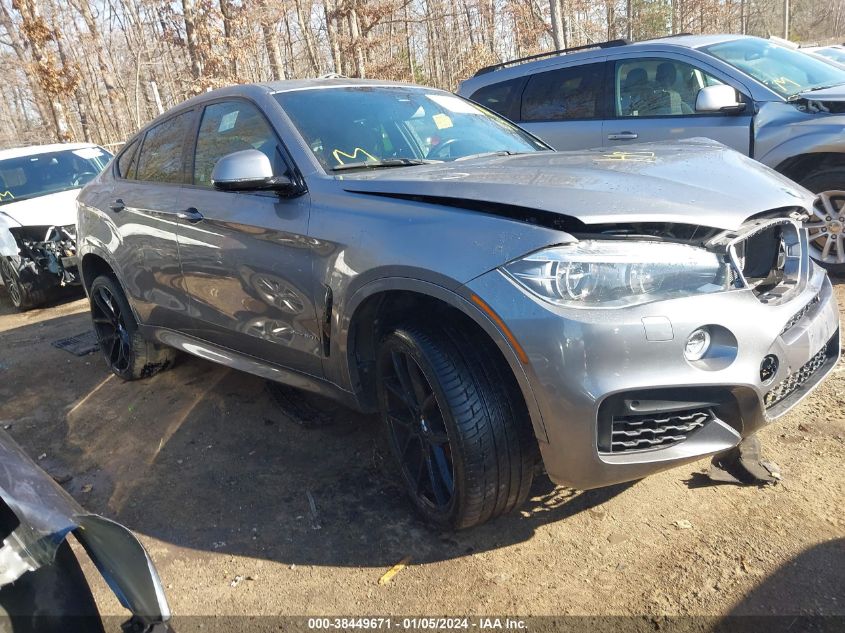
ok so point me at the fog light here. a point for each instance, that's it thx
(697, 344)
(769, 368)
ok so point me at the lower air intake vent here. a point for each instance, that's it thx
(796, 379)
(641, 432)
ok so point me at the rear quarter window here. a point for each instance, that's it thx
(126, 161)
(500, 97)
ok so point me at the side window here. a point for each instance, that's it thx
(232, 126)
(126, 161)
(658, 87)
(566, 93)
(160, 159)
(499, 97)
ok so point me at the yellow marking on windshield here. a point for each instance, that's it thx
(442, 121)
(642, 157)
(7, 195)
(355, 153)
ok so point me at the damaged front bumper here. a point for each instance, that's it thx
(47, 514)
(617, 397)
(47, 255)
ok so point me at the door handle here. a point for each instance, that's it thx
(190, 215)
(622, 136)
(117, 206)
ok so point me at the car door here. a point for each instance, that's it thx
(565, 106)
(246, 256)
(653, 99)
(144, 205)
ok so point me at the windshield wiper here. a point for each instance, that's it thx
(387, 162)
(815, 88)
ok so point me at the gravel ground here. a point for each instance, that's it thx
(246, 512)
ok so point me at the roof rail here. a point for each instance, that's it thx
(668, 37)
(563, 51)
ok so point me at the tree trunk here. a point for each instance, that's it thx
(274, 53)
(229, 34)
(357, 46)
(189, 15)
(557, 24)
(331, 31)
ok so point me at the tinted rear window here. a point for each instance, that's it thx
(565, 93)
(499, 97)
(162, 152)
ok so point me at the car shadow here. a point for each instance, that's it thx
(819, 572)
(204, 457)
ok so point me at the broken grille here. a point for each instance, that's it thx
(640, 432)
(795, 380)
(800, 315)
(768, 259)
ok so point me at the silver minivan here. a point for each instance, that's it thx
(773, 103)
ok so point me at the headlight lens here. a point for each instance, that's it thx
(617, 274)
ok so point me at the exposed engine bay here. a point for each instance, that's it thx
(47, 249)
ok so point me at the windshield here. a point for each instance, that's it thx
(836, 54)
(784, 70)
(36, 175)
(397, 126)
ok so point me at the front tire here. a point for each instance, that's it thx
(826, 228)
(456, 424)
(126, 352)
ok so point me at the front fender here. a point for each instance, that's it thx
(783, 132)
(47, 514)
(453, 299)
(8, 245)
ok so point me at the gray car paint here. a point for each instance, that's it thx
(47, 514)
(437, 231)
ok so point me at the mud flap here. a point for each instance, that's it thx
(743, 464)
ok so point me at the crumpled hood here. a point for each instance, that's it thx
(694, 182)
(55, 209)
(836, 93)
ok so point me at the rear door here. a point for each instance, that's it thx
(653, 99)
(565, 106)
(144, 204)
(246, 256)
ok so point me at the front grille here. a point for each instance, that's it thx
(640, 432)
(768, 259)
(795, 380)
(800, 315)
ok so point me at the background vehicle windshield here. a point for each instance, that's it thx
(41, 174)
(784, 70)
(835, 54)
(363, 124)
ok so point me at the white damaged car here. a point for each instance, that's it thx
(38, 189)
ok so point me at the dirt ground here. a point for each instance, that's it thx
(222, 488)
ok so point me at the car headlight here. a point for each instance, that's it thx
(617, 274)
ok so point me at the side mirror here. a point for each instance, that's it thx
(720, 98)
(247, 170)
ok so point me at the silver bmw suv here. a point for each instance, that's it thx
(405, 251)
(773, 103)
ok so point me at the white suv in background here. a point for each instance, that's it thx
(38, 189)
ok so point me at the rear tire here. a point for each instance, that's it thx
(127, 353)
(22, 296)
(826, 229)
(456, 424)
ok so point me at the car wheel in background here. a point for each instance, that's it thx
(127, 353)
(456, 424)
(21, 296)
(827, 226)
